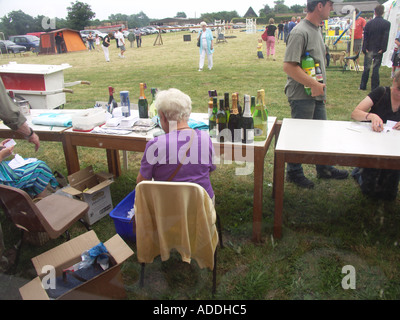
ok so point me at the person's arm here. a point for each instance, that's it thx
(293, 70)
(29, 135)
(361, 113)
(140, 178)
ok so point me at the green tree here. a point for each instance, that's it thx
(181, 15)
(17, 23)
(79, 15)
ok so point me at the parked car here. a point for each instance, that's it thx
(28, 41)
(7, 46)
(85, 33)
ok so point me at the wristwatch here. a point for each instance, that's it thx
(30, 134)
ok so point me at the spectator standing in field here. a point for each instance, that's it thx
(307, 37)
(376, 36)
(272, 33)
(105, 45)
(358, 34)
(121, 42)
(285, 31)
(292, 24)
(280, 30)
(206, 41)
(138, 36)
(90, 41)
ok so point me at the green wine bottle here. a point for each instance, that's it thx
(227, 108)
(260, 118)
(152, 109)
(252, 104)
(221, 122)
(142, 103)
(212, 122)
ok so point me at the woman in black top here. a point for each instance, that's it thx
(272, 34)
(381, 104)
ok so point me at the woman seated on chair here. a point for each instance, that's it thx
(182, 154)
(381, 105)
(33, 177)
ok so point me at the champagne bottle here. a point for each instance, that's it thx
(152, 109)
(308, 65)
(142, 103)
(221, 122)
(318, 73)
(112, 104)
(212, 121)
(247, 124)
(252, 104)
(260, 118)
(234, 121)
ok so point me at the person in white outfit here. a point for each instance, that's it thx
(206, 46)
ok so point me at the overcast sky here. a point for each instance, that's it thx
(154, 9)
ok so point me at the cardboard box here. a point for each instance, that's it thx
(107, 285)
(94, 189)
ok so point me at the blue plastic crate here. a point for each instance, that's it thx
(124, 226)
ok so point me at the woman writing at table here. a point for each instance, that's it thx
(381, 105)
(181, 144)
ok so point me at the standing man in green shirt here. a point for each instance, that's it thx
(307, 37)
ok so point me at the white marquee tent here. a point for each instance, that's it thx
(392, 14)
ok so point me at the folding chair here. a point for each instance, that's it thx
(354, 59)
(176, 215)
(53, 215)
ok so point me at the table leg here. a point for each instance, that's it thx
(114, 163)
(258, 194)
(71, 155)
(279, 176)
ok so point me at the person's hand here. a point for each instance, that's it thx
(376, 121)
(6, 152)
(2, 143)
(35, 140)
(397, 126)
(317, 89)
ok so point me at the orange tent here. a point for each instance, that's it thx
(72, 41)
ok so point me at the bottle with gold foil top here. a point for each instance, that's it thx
(142, 103)
(260, 117)
(234, 121)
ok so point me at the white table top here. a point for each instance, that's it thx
(203, 117)
(337, 137)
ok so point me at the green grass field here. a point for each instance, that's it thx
(325, 229)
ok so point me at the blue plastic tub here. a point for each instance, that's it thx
(124, 226)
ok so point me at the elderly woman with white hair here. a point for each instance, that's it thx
(206, 46)
(183, 154)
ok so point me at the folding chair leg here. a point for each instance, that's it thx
(214, 285)
(88, 228)
(142, 276)
(12, 270)
(219, 231)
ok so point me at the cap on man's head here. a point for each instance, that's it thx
(334, 1)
